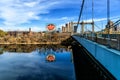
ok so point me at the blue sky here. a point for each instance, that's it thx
(36, 14)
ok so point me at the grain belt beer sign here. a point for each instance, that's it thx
(50, 27)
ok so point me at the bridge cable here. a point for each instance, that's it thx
(92, 10)
(86, 17)
(92, 21)
(108, 21)
(80, 12)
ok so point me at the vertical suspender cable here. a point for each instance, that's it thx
(92, 19)
(108, 11)
(80, 12)
(86, 19)
(92, 10)
(108, 21)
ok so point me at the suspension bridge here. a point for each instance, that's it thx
(96, 54)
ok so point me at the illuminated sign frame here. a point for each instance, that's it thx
(50, 27)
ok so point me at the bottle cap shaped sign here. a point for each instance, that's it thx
(50, 27)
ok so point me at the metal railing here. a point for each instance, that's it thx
(103, 38)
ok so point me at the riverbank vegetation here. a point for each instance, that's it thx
(28, 37)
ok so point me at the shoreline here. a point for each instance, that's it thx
(35, 43)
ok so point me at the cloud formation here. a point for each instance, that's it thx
(13, 13)
(17, 12)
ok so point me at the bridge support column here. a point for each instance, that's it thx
(92, 30)
(82, 26)
(72, 29)
(93, 27)
(118, 40)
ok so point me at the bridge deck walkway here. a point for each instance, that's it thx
(108, 58)
(83, 68)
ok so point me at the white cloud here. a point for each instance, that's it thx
(37, 28)
(16, 12)
(24, 28)
(114, 18)
(67, 18)
(96, 19)
(60, 19)
(30, 4)
(60, 25)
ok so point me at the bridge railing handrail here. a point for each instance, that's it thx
(102, 39)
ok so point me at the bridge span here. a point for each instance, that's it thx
(104, 60)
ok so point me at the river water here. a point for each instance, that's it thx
(28, 62)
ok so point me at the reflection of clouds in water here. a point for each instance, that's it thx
(19, 66)
(50, 50)
(30, 48)
(32, 66)
(44, 71)
(43, 76)
(49, 71)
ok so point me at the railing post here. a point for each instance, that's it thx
(118, 40)
(93, 31)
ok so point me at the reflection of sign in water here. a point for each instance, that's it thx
(50, 27)
(50, 57)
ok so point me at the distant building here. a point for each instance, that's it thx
(68, 28)
(110, 28)
(17, 33)
(20, 33)
(63, 29)
(30, 32)
(118, 28)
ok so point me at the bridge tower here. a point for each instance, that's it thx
(83, 26)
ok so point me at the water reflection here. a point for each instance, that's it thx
(16, 64)
(30, 48)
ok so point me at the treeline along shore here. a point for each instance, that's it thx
(29, 37)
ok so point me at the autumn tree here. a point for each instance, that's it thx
(2, 33)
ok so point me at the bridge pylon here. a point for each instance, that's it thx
(83, 25)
